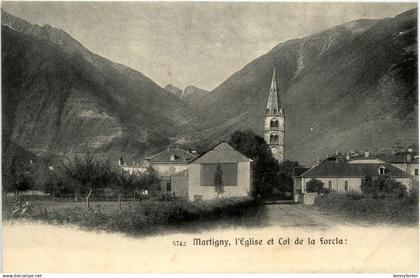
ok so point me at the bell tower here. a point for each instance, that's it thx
(274, 121)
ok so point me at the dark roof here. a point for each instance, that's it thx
(401, 157)
(179, 155)
(352, 170)
(298, 171)
(221, 153)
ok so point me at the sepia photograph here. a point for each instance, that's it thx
(209, 137)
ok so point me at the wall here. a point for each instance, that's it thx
(168, 169)
(179, 185)
(243, 188)
(134, 169)
(338, 183)
(354, 183)
(408, 168)
(309, 198)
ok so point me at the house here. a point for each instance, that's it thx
(197, 181)
(166, 163)
(407, 161)
(342, 177)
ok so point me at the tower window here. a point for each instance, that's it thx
(346, 185)
(274, 139)
(330, 185)
(274, 123)
(274, 111)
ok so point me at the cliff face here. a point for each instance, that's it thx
(193, 95)
(190, 95)
(351, 87)
(59, 97)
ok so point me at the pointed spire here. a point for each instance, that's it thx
(273, 103)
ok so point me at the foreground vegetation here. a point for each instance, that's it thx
(146, 216)
(380, 209)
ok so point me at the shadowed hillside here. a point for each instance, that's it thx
(352, 86)
(60, 97)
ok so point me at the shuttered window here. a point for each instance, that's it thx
(229, 176)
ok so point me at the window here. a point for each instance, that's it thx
(346, 185)
(416, 172)
(229, 175)
(274, 139)
(168, 186)
(274, 111)
(330, 185)
(274, 123)
(381, 170)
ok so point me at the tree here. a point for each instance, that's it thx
(89, 173)
(126, 182)
(314, 185)
(285, 175)
(218, 180)
(265, 166)
(366, 186)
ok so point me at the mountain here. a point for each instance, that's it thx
(191, 94)
(350, 87)
(59, 97)
(174, 90)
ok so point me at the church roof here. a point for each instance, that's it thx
(273, 103)
(355, 170)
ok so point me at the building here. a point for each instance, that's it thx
(407, 161)
(166, 163)
(197, 182)
(274, 129)
(343, 177)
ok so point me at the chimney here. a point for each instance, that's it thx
(366, 154)
(347, 156)
(408, 157)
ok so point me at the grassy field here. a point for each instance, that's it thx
(103, 206)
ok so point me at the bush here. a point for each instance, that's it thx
(383, 186)
(314, 185)
(361, 207)
(148, 215)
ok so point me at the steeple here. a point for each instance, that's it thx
(273, 103)
(274, 120)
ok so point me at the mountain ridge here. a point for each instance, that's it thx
(308, 74)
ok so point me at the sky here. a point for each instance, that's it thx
(192, 43)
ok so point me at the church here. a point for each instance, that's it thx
(274, 129)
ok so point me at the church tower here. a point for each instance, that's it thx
(274, 121)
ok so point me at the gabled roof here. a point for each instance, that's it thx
(355, 170)
(221, 153)
(178, 155)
